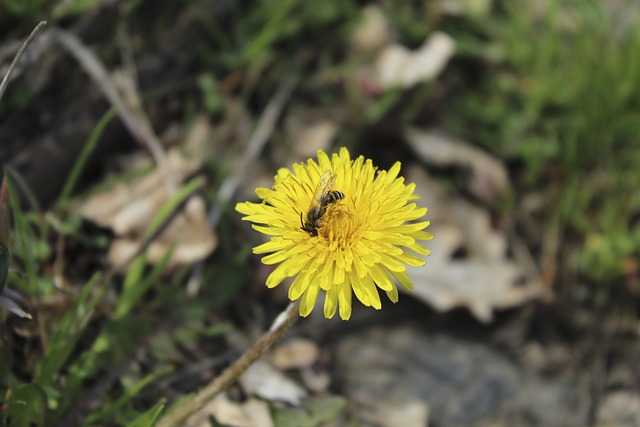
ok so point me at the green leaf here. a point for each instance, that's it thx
(315, 411)
(213, 100)
(126, 397)
(135, 285)
(149, 418)
(66, 334)
(21, 228)
(84, 155)
(25, 406)
(64, 9)
(272, 30)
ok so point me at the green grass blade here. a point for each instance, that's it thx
(25, 406)
(135, 286)
(173, 205)
(84, 155)
(67, 332)
(22, 234)
(129, 394)
(150, 418)
(271, 30)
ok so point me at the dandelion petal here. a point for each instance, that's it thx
(356, 236)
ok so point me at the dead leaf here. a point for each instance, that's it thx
(373, 30)
(258, 412)
(398, 66)
(412, 413)
(471, 8)
(485, 277)
(620, 409)
(489, 177)
(302, 354)
(295, 353)
(185, 232)
(127, 208)
(307, 135)
(252, 413)
(263, 380)
(316, 381)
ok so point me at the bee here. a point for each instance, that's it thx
(324, 196)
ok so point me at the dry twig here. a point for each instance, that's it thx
(189, 407)
(132, 117)
(23, 48)
(229, 187)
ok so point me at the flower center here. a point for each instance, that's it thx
(338, 226)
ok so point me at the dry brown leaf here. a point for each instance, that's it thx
(620, 409)
(258, 412)
(388, 65)
(413, 413)
(488, 175)
(128, 208)
(295, 353)
(316, 381)
(189, 232)
(306, 135)
(398, 66)
(485, 278)
(471, 8)
(252, 413)
(263, 380)
(373, 30)
(302, 354)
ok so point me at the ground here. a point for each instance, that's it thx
(131, 129)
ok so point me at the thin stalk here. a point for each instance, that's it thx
(189, 407)
(23, 48)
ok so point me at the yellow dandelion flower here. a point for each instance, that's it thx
(342, 227)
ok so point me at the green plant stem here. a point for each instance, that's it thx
(189, 407)
(82, 159)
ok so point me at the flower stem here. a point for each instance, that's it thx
(189, 407)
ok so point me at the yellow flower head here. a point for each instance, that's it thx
(341, 227)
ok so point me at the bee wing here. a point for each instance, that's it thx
(324, 186)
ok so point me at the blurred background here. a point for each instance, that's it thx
(130, 129)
